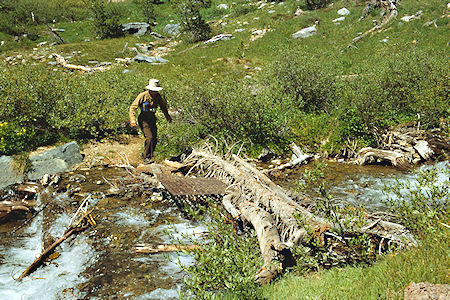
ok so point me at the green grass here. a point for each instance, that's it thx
(386, 279)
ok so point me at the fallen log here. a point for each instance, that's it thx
(158, 248)
(48, 251)
(276, 255)
(279, 221)
(8, 207)
(298, 158)
(396, 159)
(390, 12)
(63, 62)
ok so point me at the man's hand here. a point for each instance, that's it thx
(133, 124)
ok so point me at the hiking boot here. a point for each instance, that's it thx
(148, 160)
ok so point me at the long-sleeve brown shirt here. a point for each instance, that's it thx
(153, 103)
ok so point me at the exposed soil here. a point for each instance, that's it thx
(126, 148)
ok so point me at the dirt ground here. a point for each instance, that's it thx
(126, 149)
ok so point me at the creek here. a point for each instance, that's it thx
(100, 263)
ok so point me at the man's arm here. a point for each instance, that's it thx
(133, 108)
(163, 105)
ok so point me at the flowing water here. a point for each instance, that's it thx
(100, 263)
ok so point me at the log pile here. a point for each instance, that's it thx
(280, 222)
(406, 146)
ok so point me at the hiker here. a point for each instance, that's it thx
(148, 101)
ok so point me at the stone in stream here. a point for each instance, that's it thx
(57, 160)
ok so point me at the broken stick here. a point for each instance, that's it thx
(155, 248)
(47, 252)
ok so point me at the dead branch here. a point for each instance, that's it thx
(76, 228)
(396, 159)
(390, 12)
(158, 248)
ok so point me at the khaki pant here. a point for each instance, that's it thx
(147, 123)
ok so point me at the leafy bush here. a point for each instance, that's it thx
(229, 110)
(225, 264)
(421, 205)
(147, 9)
(106, 18)
(194, 28)
(14, 139)
(54, 104)
(309, 83)
(316, 4)
(399, 88)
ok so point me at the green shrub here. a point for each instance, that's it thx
(316, 4)
(226, 264)
(309, 83)
(147, 9)
(229, 110)
(55, 104)
(194, 28)
(399, 88)
(106, 18)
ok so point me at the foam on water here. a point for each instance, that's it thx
(369, 190)
(57, 280)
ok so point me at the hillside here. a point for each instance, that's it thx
(347, 94)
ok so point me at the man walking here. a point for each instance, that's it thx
(148, 101)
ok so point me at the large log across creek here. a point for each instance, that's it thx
(253, 198)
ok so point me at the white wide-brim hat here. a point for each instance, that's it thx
(153, 85)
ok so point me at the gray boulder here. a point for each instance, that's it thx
(149, 59)
(136, 28)
(305, 32)
(8, 175)
(172, 29)
(60, 159)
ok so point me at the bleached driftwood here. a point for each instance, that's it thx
(396, 159)
(158, 248)
(63, 62)
(298, 158)
(278, 220)
(390, 11)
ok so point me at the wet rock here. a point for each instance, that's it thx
(136, 28)
(8, 174)
(425, 291)
(149, 59)
(305, 32)
(60, 159)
